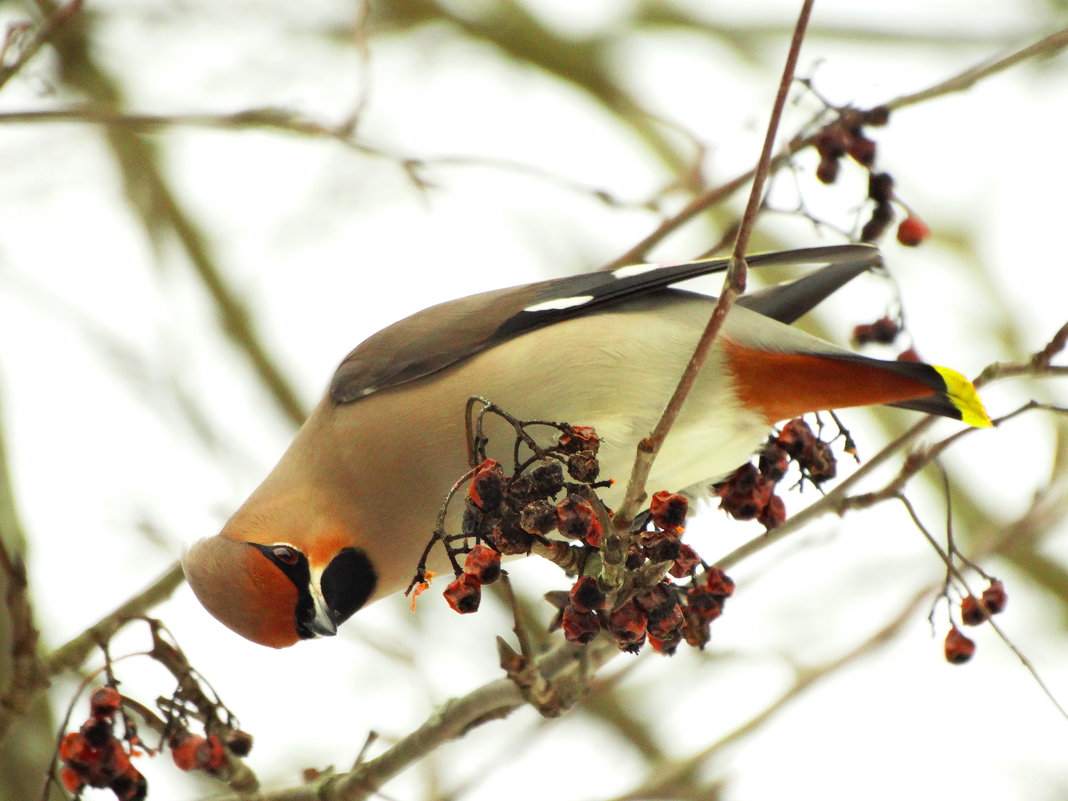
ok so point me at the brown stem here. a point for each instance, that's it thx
(733, 286)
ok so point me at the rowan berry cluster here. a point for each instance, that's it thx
(974, 612)
(665, 614)
(749, 492)
(845, 136)
(94, 757)
(883, 331)
(554, 493)
(509, 514)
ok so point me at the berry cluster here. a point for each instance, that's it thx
(883, 331)
(749, 492)
(93, 756)
(845, 135)
(509, 514)
(554, 492)
(193, 752)
(666, 613)
(973, 612)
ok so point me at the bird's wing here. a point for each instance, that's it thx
(442, 335)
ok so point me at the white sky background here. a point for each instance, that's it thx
(327, 245)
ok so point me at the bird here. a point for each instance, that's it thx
(344, 516)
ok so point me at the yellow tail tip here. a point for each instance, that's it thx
(963, 396)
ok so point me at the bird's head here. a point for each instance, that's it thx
(277, 592)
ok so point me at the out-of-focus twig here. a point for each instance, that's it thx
(162, 214)
(46, 32)
(667, 775)
(27, 677)
(963, 81)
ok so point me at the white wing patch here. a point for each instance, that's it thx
(635, 269)
(559, 304)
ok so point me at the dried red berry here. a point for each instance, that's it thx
(668, 645)
(719, 583)
(744, 493)
(577, 520)
(73, 747)
(909, 355)
(635, 557)
(664, 620)
(239, 742)
(97, 733)
(819, 462)
(656, 596)
(881, 187)
(487, 485)
(579, 438)
(464, 594)
(105, 702)
(971, 612)
(833, 140)
(660, 546)
(795, 437)
(580, 627)
(71, 779)
(881, 218)
(773, 461)
(912, 231)
(695, 630)
(116, 759)
(827, 170)
(774, 514)
(586, 595)
(483, 563)
(884, 331)
(685, 563)
(703, 603)
(210, 754)
(508, 536)
(130, 785)
(184, 745)
(959, 649)
(995, 597)
(547, 479)
(862, 150)
(627, 624)
(583, 466)
(668, 510)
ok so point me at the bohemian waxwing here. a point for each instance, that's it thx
(344, 516)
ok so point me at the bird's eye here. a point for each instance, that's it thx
(284, 554)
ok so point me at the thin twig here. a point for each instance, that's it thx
(666, 776)
(55, 22)
(733, 286)
(701, 203)
(74, 652)
(1048, 46)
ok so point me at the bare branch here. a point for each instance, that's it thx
(666, 776)
(1048, 46)
(55, 22)
(73, 653)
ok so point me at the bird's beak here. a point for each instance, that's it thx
(323, 623)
